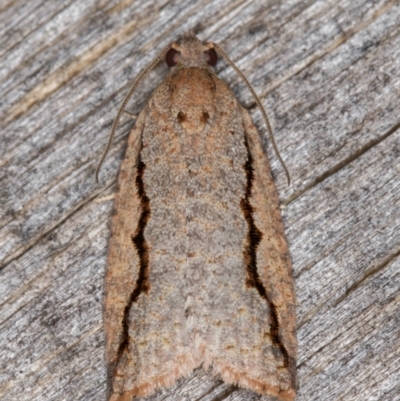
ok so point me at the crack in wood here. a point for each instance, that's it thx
(23, 249)
(367, 274)
(63, 75)
(224, 394)
(342, 164)
(329, 48)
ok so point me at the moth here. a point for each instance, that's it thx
(198, 270)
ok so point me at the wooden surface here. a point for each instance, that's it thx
(328, 73)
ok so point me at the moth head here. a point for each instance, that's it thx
(191, 52)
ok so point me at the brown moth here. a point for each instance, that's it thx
(198, 268)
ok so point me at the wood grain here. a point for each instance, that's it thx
(328, 74)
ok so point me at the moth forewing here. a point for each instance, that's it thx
(198, 269)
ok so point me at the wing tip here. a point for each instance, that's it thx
(183, 368)
(243, 380)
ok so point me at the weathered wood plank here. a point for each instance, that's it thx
(329, 74)
(66, 118)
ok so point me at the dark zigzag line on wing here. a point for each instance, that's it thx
(139, 241)
(254, 237)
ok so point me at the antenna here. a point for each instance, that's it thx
(125, 102)
(259, 104)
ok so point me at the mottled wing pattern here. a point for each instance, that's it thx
(271, 367)
(198, 267)
(240, 297)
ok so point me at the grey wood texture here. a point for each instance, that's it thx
(327, 72)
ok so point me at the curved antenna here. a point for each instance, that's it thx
(125, 102)
(259, 104)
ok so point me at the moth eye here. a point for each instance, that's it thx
(172, 57)
(211, 57)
